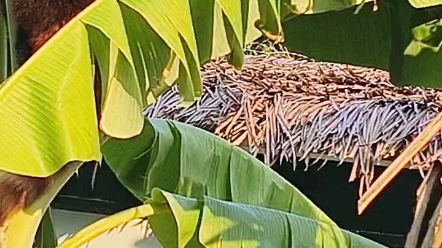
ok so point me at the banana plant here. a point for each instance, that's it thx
(210, 222)
(222, 196)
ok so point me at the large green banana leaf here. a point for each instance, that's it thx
(48, 117)
(210, 222)
(192, 162)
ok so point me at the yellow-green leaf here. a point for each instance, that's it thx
(209, 222)
(48, 118)
(192, 162)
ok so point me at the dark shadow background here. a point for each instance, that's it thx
(386, 221)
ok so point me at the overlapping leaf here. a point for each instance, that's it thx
(209, 222)
(300, 7)
(192, 162)
(425, 3)
(48, 116)
(46, 237)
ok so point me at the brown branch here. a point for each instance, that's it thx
(400, 162)
(433, 235)
(423, 209)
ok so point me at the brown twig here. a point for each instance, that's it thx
(401, 162)
(430, 183)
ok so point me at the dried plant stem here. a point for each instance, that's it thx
(430, 187)
(433, 237)
(400, 162)
(106, 224)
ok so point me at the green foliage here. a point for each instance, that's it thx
(425, 3)
(7, 37)
(48, 117)
(3, 44)
(192, 162)
(210, 222)
(300, 7)
(342, 36)
(142, 48)
(399, 38)
(46, 237)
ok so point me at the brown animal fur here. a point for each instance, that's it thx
(17, 192)
(37, 21)
(41, 19)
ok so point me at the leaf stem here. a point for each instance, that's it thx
(99, 227)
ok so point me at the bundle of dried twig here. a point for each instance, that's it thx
(298, 108)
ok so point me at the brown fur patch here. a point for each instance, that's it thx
(39, 20)
(18, 192)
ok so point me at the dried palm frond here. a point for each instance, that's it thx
(292, 108)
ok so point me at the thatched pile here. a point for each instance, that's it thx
(289, 108)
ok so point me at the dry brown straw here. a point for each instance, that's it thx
(400, 162)
(296, 109)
